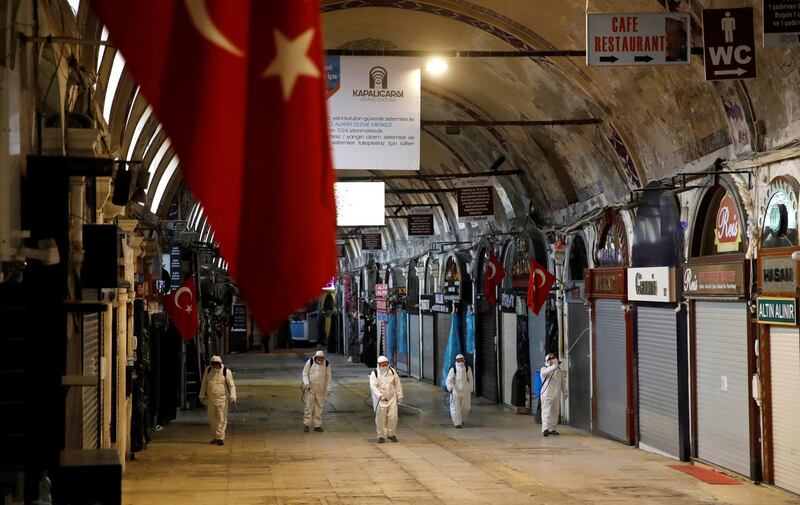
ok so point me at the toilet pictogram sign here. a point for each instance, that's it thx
(729, 44)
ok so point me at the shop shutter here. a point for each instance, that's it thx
(428, 363)
(91, 395)
(658, 379)
(784, 345)
(537, 331)
(580, 400)
(611, 372)
(442, 334)
(413, 345)
(487, 351)
(723, 427)
(508, 339)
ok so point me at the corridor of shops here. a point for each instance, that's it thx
(498, 457)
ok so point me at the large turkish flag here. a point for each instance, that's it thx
(492, 278)
(539, 284)
(240, 89)
(181, 306)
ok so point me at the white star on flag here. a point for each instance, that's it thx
(291, 61)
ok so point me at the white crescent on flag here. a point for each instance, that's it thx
(178, 294)
(539, 273)
(205, 25)
(494, 270)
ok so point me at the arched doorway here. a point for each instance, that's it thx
(578, 344)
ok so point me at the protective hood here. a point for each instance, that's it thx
(319, 354)
(216, 359)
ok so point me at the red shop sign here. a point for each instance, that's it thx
(728, 232)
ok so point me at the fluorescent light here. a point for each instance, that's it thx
(360, 203)
(436, 66)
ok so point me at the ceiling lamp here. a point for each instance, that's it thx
(436, 66)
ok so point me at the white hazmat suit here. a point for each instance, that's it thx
(460, 385)
(550, 395)
(217, 389)
(387, 393)
(317, 381)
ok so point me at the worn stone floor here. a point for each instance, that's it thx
(498, 458)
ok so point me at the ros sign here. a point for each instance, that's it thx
(727, 233)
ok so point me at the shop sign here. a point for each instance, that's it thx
(728, 231)
(441, 304)
(636, 38)
(175, 267)
(508, 302)
(340, 249)
(425, 302)
(651, 284)
(778, 275)
(239, 318)
(381, 301)
(577, 293)
(777, 311)
(719, 279)
(602, 282)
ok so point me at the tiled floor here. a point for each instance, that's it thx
(498, 457)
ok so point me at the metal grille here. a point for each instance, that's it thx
(611, 372)
(428, 363)
(487, 352)
(508, 339)
(91, 395)
(658, 380)
(442, 335)
(723, 426)
(785, 366)
(537, 331)
(413, 345)
(580, 400)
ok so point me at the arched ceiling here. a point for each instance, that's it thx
(654, 121)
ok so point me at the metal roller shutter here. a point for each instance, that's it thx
(723, 427)
(658, 380)
(508, 339)
(580, 399)
(611, 371)
(402, 360)
(428, 363)
(413, 345)
(91, 395)
(537, 331)
(784, 346)
(487, 351)
(442, 334)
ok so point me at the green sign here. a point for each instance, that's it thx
(778, 311)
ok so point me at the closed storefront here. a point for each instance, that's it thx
(508, 337)
(428, 347)
(414, 346)
(722, 346)
(578, 345)
(537, 338)
(779, 337)
(442, 334)
(486, 350)
(612, 353)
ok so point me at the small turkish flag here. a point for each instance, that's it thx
(539, 284)
(494, 276)
(239, 86)
(182, 309)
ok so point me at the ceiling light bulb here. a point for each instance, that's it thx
(436, 66)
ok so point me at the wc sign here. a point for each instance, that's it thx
(729, 44)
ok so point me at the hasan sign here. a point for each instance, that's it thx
(777, 311)
(777, 275)
(651, 284)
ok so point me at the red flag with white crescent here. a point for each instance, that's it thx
(181, 306)
(492, 278)
(239, 86)
(539, 284)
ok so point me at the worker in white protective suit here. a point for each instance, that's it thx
(217, 389)
(550, 395)
(387, 393)
(317, 384)
(460, 385)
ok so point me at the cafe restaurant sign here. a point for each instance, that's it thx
(718, 279)
(652, 284)
(777, 311)
(777, 275)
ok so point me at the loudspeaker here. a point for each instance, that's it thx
(101, 250)
(122, 186)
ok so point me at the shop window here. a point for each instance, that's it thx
(780, 218)
(577, 259)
